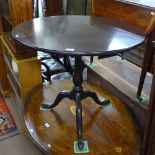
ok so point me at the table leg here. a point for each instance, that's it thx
(94, 96)
(60, 96)
(79, 120)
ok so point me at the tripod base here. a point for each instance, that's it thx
(71, 95)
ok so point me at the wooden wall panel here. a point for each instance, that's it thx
(135, 14)
(20, 11)
(53, 7)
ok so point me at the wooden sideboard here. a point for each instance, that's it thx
(23, 68)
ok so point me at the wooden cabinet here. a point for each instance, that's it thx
(23, 68)
(18, 64)
(14, 12)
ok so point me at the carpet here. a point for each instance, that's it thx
(7, 124)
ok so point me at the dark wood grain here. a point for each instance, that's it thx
(20, 11)
(138, 15)
(54, 7)
(78, 35)
(111, 130)
(18, 50)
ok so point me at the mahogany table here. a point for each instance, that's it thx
(78, 36)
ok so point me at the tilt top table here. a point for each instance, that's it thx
(78, 36)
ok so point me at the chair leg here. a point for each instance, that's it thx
(145, 67)
(91, 59)
(141, 82)
(46, 75)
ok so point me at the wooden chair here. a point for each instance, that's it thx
(148, 146)
(137, 15)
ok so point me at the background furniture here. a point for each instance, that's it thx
(23, 68)
(53, 7)
(138, 15)
(14, 12)
(17, 61)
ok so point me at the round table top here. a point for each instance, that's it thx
(78, 35)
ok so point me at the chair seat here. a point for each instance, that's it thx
(54, 68)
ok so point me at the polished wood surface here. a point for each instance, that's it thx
(20, 11)
(78, 35)
(111, 130)
(15, 11)
(18, 51)
(140, 16)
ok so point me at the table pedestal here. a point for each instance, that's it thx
(77, 94)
